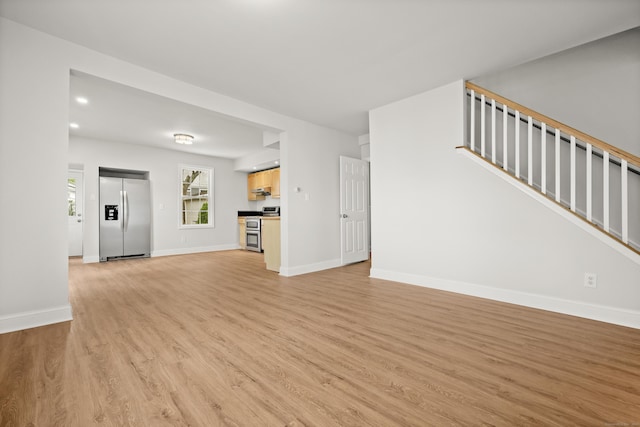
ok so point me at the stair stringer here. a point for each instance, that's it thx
(550, 204)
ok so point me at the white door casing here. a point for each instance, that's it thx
(354, 210)
(75, 191)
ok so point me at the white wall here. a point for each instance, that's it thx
(265, 156)
(594, 88)
(365, 149)
(311, 161)
(34, 82)
(257, 205)
(439, 220)
(230, 189)
(34, 88)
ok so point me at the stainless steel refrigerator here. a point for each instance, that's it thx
(125, 213)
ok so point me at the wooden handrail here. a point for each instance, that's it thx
(635, 160)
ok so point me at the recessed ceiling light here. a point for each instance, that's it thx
(255, 167)
(82, 100)
(276, 162)
(183, 138)
(74, 125)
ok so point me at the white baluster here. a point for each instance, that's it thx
(530, 150)
(573, 173)
(543, 157)
(473, 120)
(624, 193)
(605, 190)
(558, 165)
(482, 126)
(589, 182)
(493, 131)
(505, 146)
(517, 125)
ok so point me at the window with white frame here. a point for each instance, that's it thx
(196, 196)
(71, 195)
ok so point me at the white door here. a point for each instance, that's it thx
(75, 206)
(354, 210)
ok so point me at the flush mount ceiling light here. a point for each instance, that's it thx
(82, 100)
(73, 125)
(183, 138)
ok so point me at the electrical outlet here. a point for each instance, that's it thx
(590, 280)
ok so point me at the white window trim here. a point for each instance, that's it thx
(210, 197)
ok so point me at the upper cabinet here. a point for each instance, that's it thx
(275, 183)
(263, 179)
(252, 183)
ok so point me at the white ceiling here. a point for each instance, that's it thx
(123, 114)
(324, 61)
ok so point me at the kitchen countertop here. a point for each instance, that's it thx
(271, 218)
(249, 213)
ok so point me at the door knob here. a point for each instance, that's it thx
(79, 220)
(345, 216)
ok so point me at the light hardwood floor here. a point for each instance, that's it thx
(214, 339)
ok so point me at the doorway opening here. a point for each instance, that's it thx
(75, 206)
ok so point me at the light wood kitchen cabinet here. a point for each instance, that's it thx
(258, 179)
(252, 182)
(275, 183)
(268, 178)
(243, 233)
(263, 179)
(271, 242)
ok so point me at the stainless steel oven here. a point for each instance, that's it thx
(253, 226)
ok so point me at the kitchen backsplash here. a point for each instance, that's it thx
(268, 201)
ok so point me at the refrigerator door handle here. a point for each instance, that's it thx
(125, 214)
(122, 209)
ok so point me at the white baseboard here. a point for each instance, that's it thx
(185, 251)
(176, 251)
(310, 268)
(35, 318)
(617, 316)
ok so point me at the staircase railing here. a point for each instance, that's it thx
(596, 181)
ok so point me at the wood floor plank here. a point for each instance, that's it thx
(214, 339)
